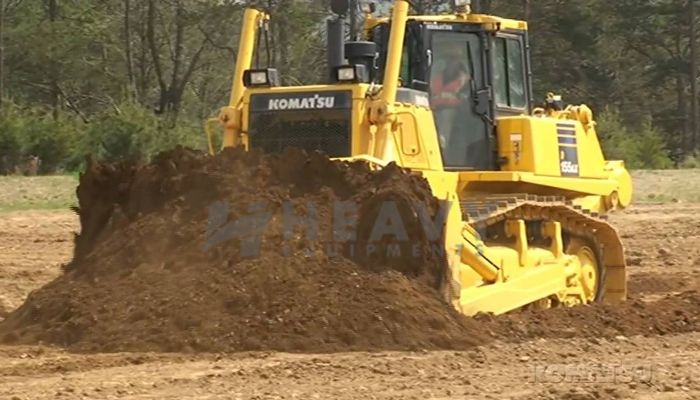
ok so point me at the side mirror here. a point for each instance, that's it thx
(482, 101)
(340, 7)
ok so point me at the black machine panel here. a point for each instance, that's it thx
(311, 121)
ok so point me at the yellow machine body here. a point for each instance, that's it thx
(576, 258)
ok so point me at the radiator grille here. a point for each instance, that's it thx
(310, 121)
(328, 131)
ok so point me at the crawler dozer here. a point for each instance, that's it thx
(528, 184)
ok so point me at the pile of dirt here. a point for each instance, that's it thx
(191, 253)
(161, 262)
(672, 313)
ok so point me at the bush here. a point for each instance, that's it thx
(650, 149)
(26, 133)
(643, 148)
(691, 161)
(137, 134)
(10, 147)
(131, 132)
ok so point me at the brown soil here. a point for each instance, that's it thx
(33, 245)
(34, 248)
(142, 278)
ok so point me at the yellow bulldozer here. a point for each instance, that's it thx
(449, 97)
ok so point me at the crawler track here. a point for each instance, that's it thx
(487, 213)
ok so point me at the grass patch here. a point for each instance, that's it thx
(58, 192)
(662, 186)
(37, 192)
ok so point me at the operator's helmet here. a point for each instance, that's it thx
(455, 49)
(449, 53)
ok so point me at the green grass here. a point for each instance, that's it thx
(37, 192)
(662, 186)
(58, 192)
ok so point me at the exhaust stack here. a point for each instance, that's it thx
(335, 44)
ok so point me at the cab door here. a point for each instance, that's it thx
(457, 88)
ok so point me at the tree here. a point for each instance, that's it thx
(2, 50)
(108, 60)
(172, 79)
(695, 128)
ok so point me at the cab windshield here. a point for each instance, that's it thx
(449, 66)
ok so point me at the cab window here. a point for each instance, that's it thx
(509, 73)
(412, 67)
(406, 74)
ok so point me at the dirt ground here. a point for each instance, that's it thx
(663, 248)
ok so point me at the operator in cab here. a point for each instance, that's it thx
(449, 84)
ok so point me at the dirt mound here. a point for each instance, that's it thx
(167, 260)
(674, 313)
(198, 253)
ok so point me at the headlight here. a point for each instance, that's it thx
(258, 78)
(350, 73)
(261, 77)
(346, 74)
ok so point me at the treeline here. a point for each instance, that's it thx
(127, 78)
(635, 62)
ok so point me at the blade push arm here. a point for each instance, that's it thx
(230, 117)
(246, 46)
(381, 109)
(395, 51)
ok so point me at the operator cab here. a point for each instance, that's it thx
(474, 72)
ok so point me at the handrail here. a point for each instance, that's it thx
(393, 66)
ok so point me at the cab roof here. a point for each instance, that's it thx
(491, 23)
